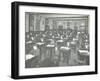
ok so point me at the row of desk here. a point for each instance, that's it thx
(58, 50)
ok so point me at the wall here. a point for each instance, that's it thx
(5, 41)
(35, 21)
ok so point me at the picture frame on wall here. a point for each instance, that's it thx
(52, 40)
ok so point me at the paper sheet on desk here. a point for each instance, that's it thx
(29, 56)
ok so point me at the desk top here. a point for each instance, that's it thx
(57, 37)
(50, 39)
(60, 40)
(29, 56)
(73, 42)
(75, 39)
(65, 48)
(50, 45)
(84, 52)
(28, 42)
(40, 43)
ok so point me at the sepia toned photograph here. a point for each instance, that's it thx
(56, 40)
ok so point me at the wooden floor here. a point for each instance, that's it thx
(49, 62)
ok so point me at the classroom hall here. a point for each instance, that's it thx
(56, 40)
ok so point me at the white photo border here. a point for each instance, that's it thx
(69, 69)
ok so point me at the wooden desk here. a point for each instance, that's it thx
(73, 47)
(40, 46)
(66, 53)
(29, 56)
(84, 56)
(60, 43)
(28, 42)
(50, 50)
